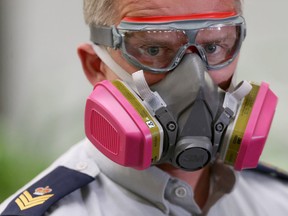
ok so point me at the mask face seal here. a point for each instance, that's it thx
(185, 120)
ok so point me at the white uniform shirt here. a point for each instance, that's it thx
(119, 191)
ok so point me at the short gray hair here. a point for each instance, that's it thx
(100, 12)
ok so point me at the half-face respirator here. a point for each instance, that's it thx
(185, 119)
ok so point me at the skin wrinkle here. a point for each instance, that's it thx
(144, 8)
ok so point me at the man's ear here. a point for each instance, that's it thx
(92, 65)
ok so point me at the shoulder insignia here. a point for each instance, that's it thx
(41, 195)
(272, 171)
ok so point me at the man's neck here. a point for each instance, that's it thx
(198, 180)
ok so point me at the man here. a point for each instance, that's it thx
(174, 180)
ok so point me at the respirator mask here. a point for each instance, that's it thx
(185, 119)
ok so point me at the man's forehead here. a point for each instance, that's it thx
(217, 5)
(172, 7)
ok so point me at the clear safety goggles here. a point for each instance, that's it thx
(157, 44)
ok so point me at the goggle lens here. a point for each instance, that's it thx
(219, 44)
(158, 50)
(155, 49)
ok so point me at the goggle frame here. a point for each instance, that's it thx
(114, 37)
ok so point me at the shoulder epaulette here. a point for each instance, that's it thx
(44, 193)
(272, 171)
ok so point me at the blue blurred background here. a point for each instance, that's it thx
(43, 89)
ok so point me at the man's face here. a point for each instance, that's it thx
(137, 8)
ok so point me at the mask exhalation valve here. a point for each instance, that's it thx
(193, 153)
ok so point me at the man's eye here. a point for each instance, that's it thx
(210, 48)
(153, 51)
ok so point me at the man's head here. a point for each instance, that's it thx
(175, 43)
(112, 12)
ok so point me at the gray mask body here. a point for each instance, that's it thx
(193, 101)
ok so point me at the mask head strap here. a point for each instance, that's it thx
(116, 68)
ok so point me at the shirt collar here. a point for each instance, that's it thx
(156, 181)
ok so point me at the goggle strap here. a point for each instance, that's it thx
(102, 35)
(200, 16)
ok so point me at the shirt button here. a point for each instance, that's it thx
(81, 166)
(181, 192)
